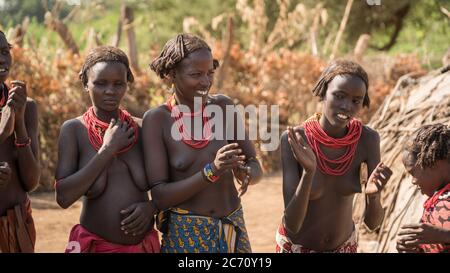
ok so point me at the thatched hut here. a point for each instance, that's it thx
(413, 102)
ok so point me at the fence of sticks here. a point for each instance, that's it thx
(415, 101)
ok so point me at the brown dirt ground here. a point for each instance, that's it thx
(263, 206)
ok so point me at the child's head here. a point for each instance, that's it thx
(186, 60)
(426, 156)
(343, 86)
(5, 57)
(105, 75)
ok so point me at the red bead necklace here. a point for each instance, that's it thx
(431, 202)
(185, 136)
(3, 96)
(316, 135)
(97, 128)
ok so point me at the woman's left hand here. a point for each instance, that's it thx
(140, 218)
(379, 177)
(242, 174)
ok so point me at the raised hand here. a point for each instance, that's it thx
(379, 177)
(227, 158)
(302, 151)
(5, 174)
(139, 218)
(242, 174)
(18, 95)
(118, 136)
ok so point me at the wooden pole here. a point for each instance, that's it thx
(63, 32)
(128, 19)
(228, 41)
(348, 7)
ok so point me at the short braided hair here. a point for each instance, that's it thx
(341, 67)
(429, 144)
(105, 54)
(9, 45)
(175, 50)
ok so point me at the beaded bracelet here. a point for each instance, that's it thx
(21, 145)
(208, 172)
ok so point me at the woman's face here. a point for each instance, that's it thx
(107, 84)
(343, 99)
(5, 58)
(194, 75)
(427, 180)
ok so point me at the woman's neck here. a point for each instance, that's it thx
(106, 116)
(330, 130)
(193, 108)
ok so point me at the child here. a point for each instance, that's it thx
(19, 159)
(100, 158)
(321, 161)
(427, 158)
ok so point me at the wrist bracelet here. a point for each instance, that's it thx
(208, 172)
(21, 145)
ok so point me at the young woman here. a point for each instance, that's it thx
(321, 162)
(100, 159)
(427, 158)
(19, 159)
(192, 178)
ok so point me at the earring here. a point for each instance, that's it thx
(172, 89)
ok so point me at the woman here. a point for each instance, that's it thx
(100, 158)
(321, 165)
(19, 159)
(193, 178)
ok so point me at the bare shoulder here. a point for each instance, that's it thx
(138, 121)
(156, 115)
(369, 135)
(31, 107)
(72, 125)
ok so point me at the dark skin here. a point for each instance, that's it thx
(428, 180)
(19, 167)
(318, 207)
(115, 204)
(175, 169)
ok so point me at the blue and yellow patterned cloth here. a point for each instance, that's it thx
(190, 233)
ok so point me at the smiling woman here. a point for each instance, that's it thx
(192, 180)
(318, 204)
(19, 159)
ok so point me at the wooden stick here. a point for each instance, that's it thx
(341, 28)
(63, 32)
(128, 19)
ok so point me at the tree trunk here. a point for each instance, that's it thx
(128, 19)
(63, 32)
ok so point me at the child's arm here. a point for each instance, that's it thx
(414, 234)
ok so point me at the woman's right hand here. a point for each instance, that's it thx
(5, 174)
(302, 151)
(118, 136)
(227, 158)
